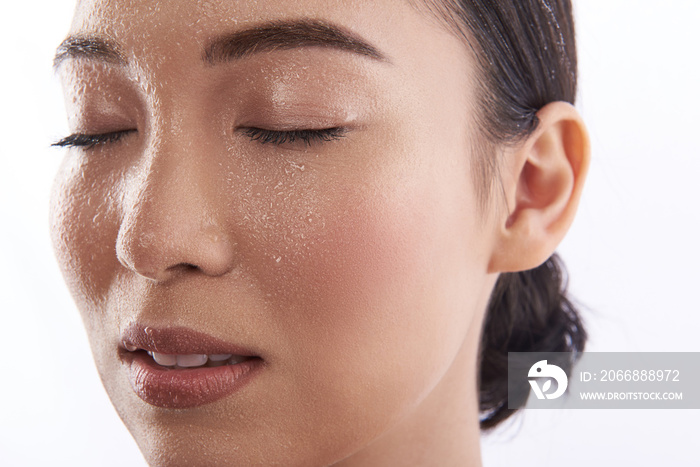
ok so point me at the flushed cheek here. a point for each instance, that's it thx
(367, 307)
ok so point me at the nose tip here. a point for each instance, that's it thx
(174, 251)
(159, 245)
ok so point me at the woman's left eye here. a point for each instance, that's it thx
(304, 136)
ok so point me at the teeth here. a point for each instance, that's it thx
(195, 360)
(237, 359)
(191, 360)
(220, 357)
(165, 359)
(129, 347)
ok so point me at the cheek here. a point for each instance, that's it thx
(378, 305)
(83, 230)
(390, 267)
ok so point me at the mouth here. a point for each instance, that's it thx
(180, 368)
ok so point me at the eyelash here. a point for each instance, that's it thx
(275, 137)
(87, 141)
(308, 137)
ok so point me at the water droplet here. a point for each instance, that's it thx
(297, 166)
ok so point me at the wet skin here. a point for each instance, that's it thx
(354, 263)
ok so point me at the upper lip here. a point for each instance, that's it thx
(178, 341)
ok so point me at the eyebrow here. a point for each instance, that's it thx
(92, 47)
(275, 35)
(285, 35)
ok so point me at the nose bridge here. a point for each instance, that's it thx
(173, 221)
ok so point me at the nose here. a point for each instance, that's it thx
(173, 221)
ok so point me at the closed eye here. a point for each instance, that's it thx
(88, 141)
(306, 136)
(264, 136)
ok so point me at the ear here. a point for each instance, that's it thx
(542, 181)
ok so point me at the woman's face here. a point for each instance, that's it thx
(288, 182)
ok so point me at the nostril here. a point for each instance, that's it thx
(183, 267)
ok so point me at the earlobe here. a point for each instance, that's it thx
(542, 181)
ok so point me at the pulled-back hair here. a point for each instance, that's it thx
(525, 52)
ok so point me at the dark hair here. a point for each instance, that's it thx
(525, 53)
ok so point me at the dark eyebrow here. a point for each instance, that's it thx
(284, 35)
(94, 47)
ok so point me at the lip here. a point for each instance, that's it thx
(181, 388)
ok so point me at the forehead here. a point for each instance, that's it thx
(159, 29)
(158, 21)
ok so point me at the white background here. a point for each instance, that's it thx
(632, 253)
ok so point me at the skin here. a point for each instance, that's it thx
(359, 269)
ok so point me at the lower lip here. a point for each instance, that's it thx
(184, 388)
